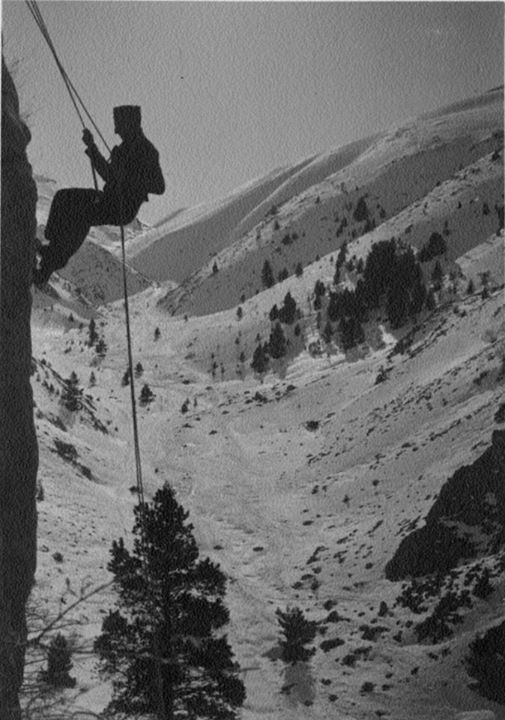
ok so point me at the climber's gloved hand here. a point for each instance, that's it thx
(87, 138)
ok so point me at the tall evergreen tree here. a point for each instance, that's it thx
(72, 393)
(267, 275)
(298, 632)
(260, 359)
(92, 333)
(334, 307)
(59, 663)
(163, 646)
(346, 330)
(287, 313)
(274, 313)
(277, 342)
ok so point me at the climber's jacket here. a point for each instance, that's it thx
(132, 171)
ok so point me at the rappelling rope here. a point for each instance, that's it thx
(74, 96)
(138, 463)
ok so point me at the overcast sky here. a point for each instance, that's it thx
(231, 90)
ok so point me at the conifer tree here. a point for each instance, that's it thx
(259, 361)
(267, 275)
(59, 663)
(334, 307)
(146, 395)
(298, 632)
(341, 257)
(163, 646)
(274, 313)
(71, 394)
(92, 333)
(287, 313)
(277, 342)
(361, 212)
(101, 347)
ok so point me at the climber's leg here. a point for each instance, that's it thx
(70, 218)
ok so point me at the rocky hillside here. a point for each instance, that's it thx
(18, 443)
(467, 520)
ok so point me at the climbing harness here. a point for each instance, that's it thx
(75, 97)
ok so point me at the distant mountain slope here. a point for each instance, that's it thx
(445, 168)
(95, 270)
(188, 238)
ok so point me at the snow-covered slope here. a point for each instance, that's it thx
(435, 168)
(303, 484)
(177, 247)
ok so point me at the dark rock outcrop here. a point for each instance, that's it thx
(18, 444)
(467, 519)
(486, 663)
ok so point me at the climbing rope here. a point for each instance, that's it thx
(75, 97)
(138, 464)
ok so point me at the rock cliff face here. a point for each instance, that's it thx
(467, 519)
(18, 444)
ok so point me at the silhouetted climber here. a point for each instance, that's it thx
(132, 172)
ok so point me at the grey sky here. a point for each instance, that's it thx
(231, 90)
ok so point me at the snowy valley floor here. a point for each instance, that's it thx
(301, 487)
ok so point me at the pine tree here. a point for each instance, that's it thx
(418, 292)
(92, 333)
(274, 313)
(101, 347)
(71, 395)
(341, 257)
(157, 333)
(59, 663)
(334, 310)
(146, 395)
(361, 212)
(298, 632)
(277, 342)
(287, 313)
(163, 646)
(267, 276)
(259, 361)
